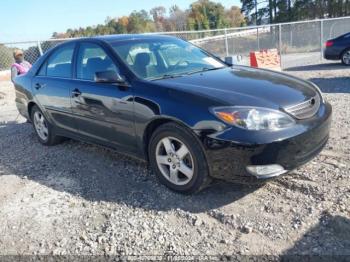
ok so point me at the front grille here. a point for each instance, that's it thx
(305, 109)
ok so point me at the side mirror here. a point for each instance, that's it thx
(110, 76)
(229, 60)
(233, 60)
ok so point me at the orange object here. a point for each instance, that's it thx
(228, 117)
(269, 59)
(5, 75)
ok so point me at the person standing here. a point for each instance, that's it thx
(20, 66)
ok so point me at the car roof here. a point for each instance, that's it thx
(342, 36)
(130, 37)
(119, 38)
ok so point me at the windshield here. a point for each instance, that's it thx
(157, 59)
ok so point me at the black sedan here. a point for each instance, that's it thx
(168, 102)
(338, 49)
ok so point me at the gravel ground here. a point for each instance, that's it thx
(76, 198)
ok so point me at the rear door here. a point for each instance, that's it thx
(52, 86)
(103, 111)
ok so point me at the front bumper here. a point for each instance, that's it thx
(230, 152)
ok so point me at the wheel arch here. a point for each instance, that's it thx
(30, 106)
(153, 125)
(343, 52)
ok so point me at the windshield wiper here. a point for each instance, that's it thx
(203, 69)
(166, 76)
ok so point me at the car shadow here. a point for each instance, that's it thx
(99, 174)
(333, 85)
(315, 67)
(329, 240)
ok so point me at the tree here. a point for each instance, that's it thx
(140, 22)
(205, 14)
(202, 14)
(177, 19)
(234, 17)
(121, 25)
(158, 14)
(247, 8)
(294, 10)
(283, 14)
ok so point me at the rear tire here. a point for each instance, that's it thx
(345, 57)
(43, 128)
(178, 159)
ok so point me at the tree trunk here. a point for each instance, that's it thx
(270, 11)
(290, 10)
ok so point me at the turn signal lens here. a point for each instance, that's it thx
(227, 117)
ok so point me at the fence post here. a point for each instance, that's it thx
(258, 38)
(39, 47)
(321, 41)
(226, 42)
(280, 43)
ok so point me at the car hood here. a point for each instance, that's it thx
(241, 85)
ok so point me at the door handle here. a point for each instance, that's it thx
(38, 86)
(76, 92)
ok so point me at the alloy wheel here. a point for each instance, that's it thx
(346, 57)
(40, 125)
(174, 160)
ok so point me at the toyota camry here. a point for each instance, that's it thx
(190, 115)
(338, 49)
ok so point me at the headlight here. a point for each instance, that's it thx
(253, 118)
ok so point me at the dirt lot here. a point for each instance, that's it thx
(76, 198)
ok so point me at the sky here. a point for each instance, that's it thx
(23, 20)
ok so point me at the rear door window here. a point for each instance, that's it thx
(59, 63)
(42, 71)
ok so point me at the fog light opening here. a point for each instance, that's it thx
(266, 171)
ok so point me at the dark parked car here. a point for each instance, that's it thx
(165, 101)
(338, 49)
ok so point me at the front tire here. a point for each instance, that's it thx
(43, 128)
(178, 159)
(345, 57)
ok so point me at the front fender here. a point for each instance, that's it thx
(157, 104)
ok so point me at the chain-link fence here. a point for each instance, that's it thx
(32, 50)
(299, 43)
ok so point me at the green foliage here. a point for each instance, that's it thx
(205, 14)
(202, 14)
(276, 11)
(140, 22)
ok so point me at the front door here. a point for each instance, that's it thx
(103, 111)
